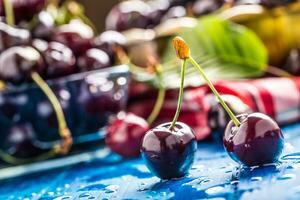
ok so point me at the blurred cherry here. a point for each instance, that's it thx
(58, 57)
(129, 14)
(124, 136)
(203, 7)
(76, 35)
(24, 10)
(11, 36)
(44, 29)
(93, 59)
(17, 63)
(21, 141)
(109, 41)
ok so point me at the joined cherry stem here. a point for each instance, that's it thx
(216, 93)
(183, 52)
(180, 98)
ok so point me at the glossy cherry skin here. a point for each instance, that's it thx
(108, 41)
(20, 141)
(24, 10)
(59, 58)
(124, 136)
(93, 59)
(217, 116)
(11, 36)
(44, 28)
(76, 35)
(203, 7)
(257, 141)
(127, 15)
(169, 153)
(17, 63)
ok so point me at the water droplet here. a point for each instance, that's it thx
(111, 188)
(256, 178)
(234, 182)
(286, 177)
(63, 198)
(83, 195)
(293, 156)
(50, 193)
(214, 190)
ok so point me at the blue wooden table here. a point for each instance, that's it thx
(103, 175)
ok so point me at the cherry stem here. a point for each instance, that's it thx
(212, 87)
(180, 98)
(9, 12)
(64, 131)
(160, 98)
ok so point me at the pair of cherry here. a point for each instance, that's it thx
(168, 149)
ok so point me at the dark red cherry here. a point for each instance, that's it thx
(169, 153)
(93, 59)
(76, 35)
(217, 116)
(127, 15)
(124, 136)
(59, 58)
(44, 28)
(24, 10)
(158, 9)
(175, 12)
(21, 141)
(17, 63)
(108, 41)
(203, 7)
(274, 3)
(11, 36)
(257, 141)
(181, 2)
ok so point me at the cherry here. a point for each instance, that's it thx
(203, 7)
(21, 141)
(44, 29)
(17, 63)
(59, 58)
(93, 59)
(251, 139)
(127, 15)
(11, 36)
(124, 136)
(175, 12)
(23, 10)
(169, 153)
(76, 35)
(217, 116)
(169, 149)
(275, 3)
(257, 141)
(96, 98)
(109, 41)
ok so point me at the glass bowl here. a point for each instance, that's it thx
(88, 100)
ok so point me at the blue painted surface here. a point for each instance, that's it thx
(213, 176)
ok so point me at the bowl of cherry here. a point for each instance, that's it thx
(59, 80)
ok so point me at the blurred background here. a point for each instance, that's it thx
(97, 11)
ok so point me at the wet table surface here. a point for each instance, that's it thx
(213, 176)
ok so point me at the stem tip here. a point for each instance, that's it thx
(181, 47)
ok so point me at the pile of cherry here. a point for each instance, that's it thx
(149, 13)
(169, 149)
(36, 43)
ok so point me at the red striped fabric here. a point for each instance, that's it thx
(277, 97)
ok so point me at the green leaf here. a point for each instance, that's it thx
(223, 49)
